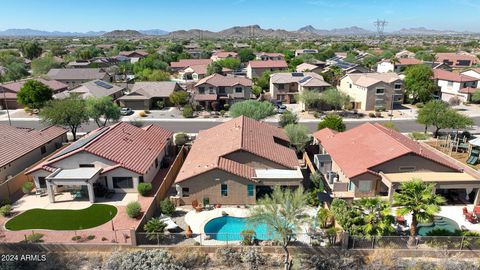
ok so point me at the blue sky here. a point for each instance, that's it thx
(85, 15)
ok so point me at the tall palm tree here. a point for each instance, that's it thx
(284, 212)
(417, 198)
(376, 216)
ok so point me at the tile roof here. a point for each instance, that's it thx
(150, 90)
(468, 90)
(212, 146)
(455, 57)
(17, 142)
(408, 61)
(268, 64)
(76, 73)
(220, 80)
(305, 66)
(131, 147)
(56, 86)
(369, 79)
(130, 53)
(222, 54)
(183, 63)
(440, 74)
(358, 150)
(95, 89)
(270, 54)
(288, 77)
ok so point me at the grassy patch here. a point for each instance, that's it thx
(90, 217)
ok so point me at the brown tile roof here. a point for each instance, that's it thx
(130, 53)
(212, 146)
(408, 61)
(183, 63)
(268, 64)
(455, 57)
(220, 80)
(148, 90)
(76, 73)
(369, 79)
(440, 74)
(56, 86)
(358, 150)
(17, 142)
(131, 147)
(223, 54)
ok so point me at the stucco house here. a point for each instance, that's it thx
(457, 60)
(305, 67)
(220, 55)
(185, 63)
(372, 160)
(304, 51)
(73, 77)
(145, 95)
(256, 68)
(222, 89)
(373, 91)
(285, 86)
(452, 84)
(22, 147)
(117, 157)
(12, 88)
(96, 89)
(134, 56)
(397, 67)
(265, 56)
(237, 162)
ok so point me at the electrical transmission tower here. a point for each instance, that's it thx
(380, 25)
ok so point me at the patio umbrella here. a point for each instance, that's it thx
(171, 225)
(475, 142)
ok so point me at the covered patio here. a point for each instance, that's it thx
(72, 177)
(445, 183)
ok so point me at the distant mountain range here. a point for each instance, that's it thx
(234, 32)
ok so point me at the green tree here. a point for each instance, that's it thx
(284, 213)
(43, 64)
(324, 215)
(310, 98)
(31, 50)
(246, 55)
(15, 71)
(213, 68)
(317, 186)
(102, 107)
(257, 90)
(263, 81)
(377, 217)
(34, 94)
(419, 84)
(335, 98)
(253, 109)
(298, 136)
(288, 117)
(436, 113)
(333, 75)
(154, 228)
(455, 120)
(178, 98)
(230, 63)
(70, 112)
(153, 75)
(333, 122)
(476, 96)
(418, 199)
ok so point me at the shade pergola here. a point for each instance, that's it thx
(73, 177)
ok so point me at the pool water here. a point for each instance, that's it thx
(439, 222)
(230, 228)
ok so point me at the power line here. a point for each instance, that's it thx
(380, 24)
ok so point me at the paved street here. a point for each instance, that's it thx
(193, 126)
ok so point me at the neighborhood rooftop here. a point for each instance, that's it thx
(76, 73)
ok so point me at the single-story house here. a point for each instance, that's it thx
(304, 51)
(372, 160)
(256, 68)
(11, 89)
(22, 147)
(237, 162)
(306, 67)
(399, 66)
(145, 95)
(76, 76)
(117, 157)
(134, 56)
(96, 89)
(265, 56)
(219, 55)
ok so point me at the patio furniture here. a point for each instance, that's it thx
(465, 211)
(400, 220)
(196, 206)
(188, 232)
(470, 217)
(171, 225)
(476, 210)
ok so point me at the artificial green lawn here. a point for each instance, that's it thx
(90, 217)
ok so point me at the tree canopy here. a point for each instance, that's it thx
(419, 84)
(335, 98)
(298, 136)
(333, 122)
(42, 65)
(178, 98)
(252, 108)
(438, 114)
(34, 94)
(288, 117)
(31, 49)
(102, 108)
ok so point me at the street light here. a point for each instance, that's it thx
(5, 98)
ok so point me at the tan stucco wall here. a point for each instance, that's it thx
(420, 163)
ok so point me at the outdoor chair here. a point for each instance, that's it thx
(470, 217)
(196, 206)
(465, 211)
(188, 232)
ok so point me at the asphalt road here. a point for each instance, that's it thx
(194, 126)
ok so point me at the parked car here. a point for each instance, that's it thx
(126, 111)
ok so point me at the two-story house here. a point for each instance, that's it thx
(453, 85)
(222, 89)
(373, 91)
(219, 55)
(304, 51)
(265, 56)
(285, 86)
(457, 60)
(397, 66)
(256, 68)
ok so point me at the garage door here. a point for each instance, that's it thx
(136, 105)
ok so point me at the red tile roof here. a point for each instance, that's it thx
(440, 74)
(409, 61)
(223, 54)
(468, 90)
(131, 147)
(359, 149)
(220, 80)
(17, 142)
(268, 64)
(455, 57)
(212, 146)
(183, 63)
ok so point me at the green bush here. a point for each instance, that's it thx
(371, 114)
(27, 187)
(167, 207)
(6, 210)
(418, 136)
(160, 104)
(248, 237)
(144, 188)
(333, 122)
(181, 138)
(91, 237)
(257, 110)
(154, 228)
(187, 111)
(35, 237)
(76, 238)
(288, 117)
(133, 209)
(419, 105)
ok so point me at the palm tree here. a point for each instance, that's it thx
(324, 215)
(418, 199)
(284, 213)
(376, 216)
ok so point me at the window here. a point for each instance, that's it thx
(140, 179)
(238, 90)
(43, 149)
(380, 91)
(398, 86)
(351, 186)
(350, 86)
(212, 91)
(365, 186)
(185, 192)
(201, 90)
(156, 163)
(281, 86)
(122, 182)
(450, 83)
(407, 168)
(321, 164)
(224, 190)
(250, 190)
(221, 90)
(86, 165)
(42, 182)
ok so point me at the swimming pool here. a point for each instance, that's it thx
(230, 228)
(439, 222)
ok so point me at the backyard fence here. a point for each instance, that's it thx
(419, 242)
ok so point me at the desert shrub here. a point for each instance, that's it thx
(371, 114)
(27, 187)
(257, 110)
(147, 111)
(35, 237)
(193, 259)
(142, 114)
(154, 228)
(187, 111)
(253, 258)
(133, 209)
(144, 188)
(91, 237)
(322, 262)
(378, 114)
(418, 136)
(419, 105)
(4, 202)
(76, 238)
(160, 104)
(228, 256)
(248, 237)
(181, 138)
(104, 238)
(454, 101)
(288, 117)
(6, 210)
(226, 106)
(167, 207)
(143, 259)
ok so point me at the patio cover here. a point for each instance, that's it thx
(475, 142)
